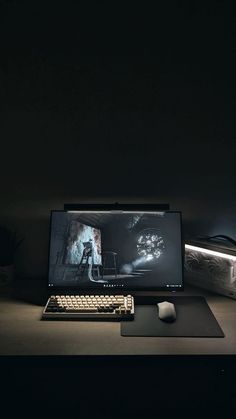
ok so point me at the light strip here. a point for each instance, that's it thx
(210, 252)
(161, 213)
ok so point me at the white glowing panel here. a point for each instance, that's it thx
(210, 252)
(211, 269)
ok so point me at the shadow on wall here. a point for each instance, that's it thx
(32, 258)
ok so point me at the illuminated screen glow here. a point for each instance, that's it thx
(129, 250)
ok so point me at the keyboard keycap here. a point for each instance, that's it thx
(95, 306)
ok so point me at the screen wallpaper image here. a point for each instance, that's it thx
(109, 250)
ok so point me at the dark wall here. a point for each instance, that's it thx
(116, 105)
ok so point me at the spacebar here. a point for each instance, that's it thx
(81, 310)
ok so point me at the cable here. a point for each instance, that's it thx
(220, 237)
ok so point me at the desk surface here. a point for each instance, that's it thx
(23, 333)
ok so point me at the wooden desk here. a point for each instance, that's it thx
(23, 333)
(91, 368)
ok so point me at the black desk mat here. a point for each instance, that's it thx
(194, 318)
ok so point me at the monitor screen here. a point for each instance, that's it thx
(128, 250)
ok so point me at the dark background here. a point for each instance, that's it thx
(117, 101)
(102, 102)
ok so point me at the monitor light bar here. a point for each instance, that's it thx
(160, 213)
(210, 252)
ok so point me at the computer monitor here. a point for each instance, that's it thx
(115, 250)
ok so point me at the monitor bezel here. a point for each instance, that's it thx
(119, 290)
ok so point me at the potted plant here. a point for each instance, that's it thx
(9, 244)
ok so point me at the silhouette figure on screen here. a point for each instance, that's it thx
(87, 260)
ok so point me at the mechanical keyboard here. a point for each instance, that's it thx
(86, 307)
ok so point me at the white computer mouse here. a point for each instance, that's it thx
(166, 311)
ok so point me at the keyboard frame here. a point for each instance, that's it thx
(98, 316)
